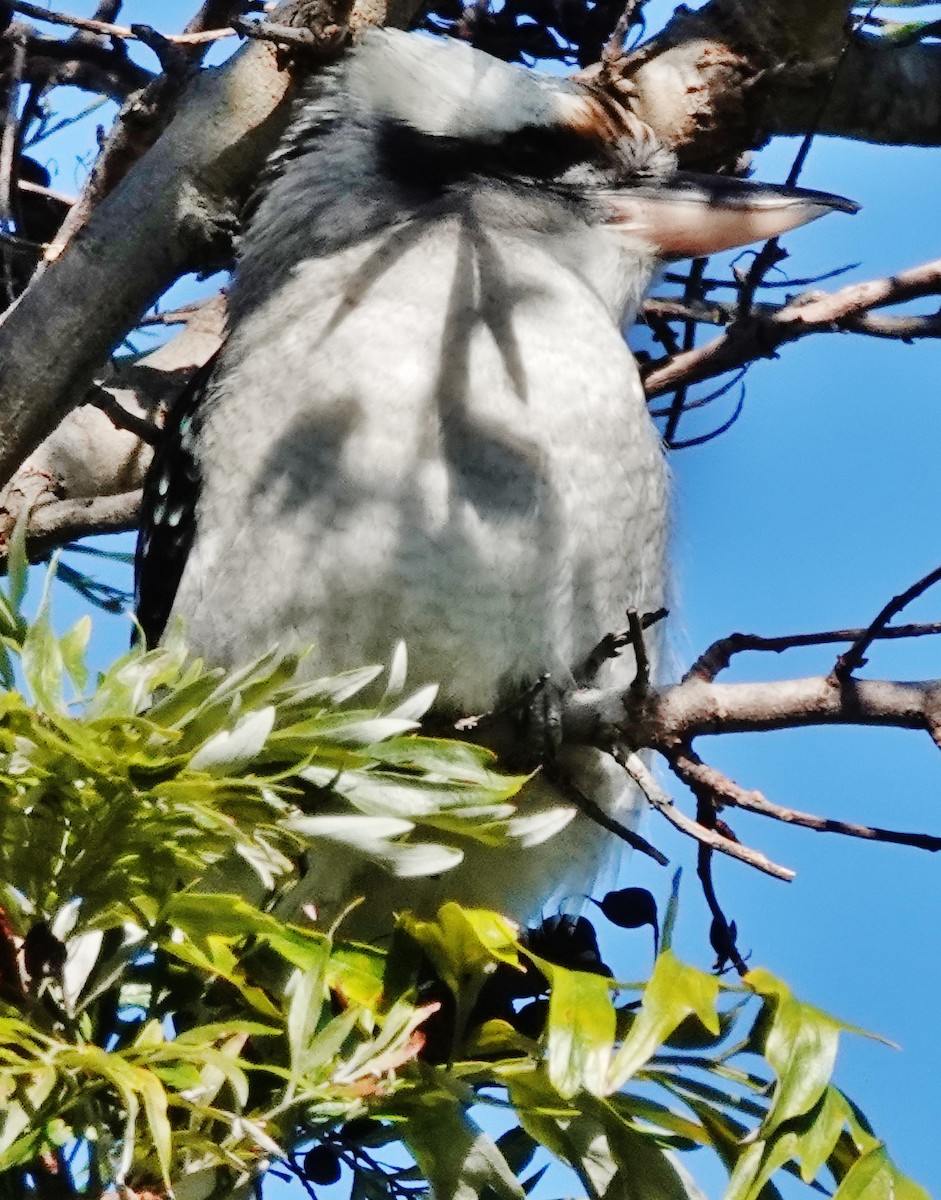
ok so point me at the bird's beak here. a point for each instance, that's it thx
(690, 216)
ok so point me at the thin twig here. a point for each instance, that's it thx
(699, 776)
(614, 46)
(121, 418)
(768, 329)
(719, 655)
(594, 810)
(702, 438)
(297, 38)
(771, 252)
(641, 681)
(664, 804)
(610, 647)
(722, 934)
(88, 24)
(692, 292)
(855, 657)
(709, 284)
(701, 401)
(659, 310)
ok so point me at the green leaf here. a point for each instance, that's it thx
(464, 944)
(876, 1177)
(32, 1088)
(580, 1029)
(642, 1114)
(73, 645)
(800, 1044)
(455, 1156)
(818, 1141)
(675, 991)
(642, 1170)
(155, 1112)
(306, 992)
(18, 563)
(357, 974)
(221, 914)
(231, 751)
(41, 658)
(673, 905)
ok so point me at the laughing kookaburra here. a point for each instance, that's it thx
(425, 423)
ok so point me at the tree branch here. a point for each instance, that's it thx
(87, 64)
(712, 838)
(162, 220)
(696, 774)
(62, 521)
(766, 328)
(90, 455)
(668, 719)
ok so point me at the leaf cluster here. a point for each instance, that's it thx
(161, 1036)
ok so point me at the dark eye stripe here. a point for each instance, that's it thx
(430, 162)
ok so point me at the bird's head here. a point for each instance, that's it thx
(410, 125)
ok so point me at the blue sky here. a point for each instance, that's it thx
(814, 509)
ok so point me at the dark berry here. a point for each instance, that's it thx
(322, 1165)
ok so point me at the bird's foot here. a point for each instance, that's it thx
(539, 712)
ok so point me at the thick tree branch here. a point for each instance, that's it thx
(731, 74)
(97, 454)
(886, 93)
(62, 521)
(164, 218)
(693, 708)
(668, 719)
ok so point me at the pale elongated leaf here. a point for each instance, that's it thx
(417, 860)
(534, 828)
(81, 955)
(414, 707)
(369, 838)
(398, 672)
(350, 827)
(229, 752)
